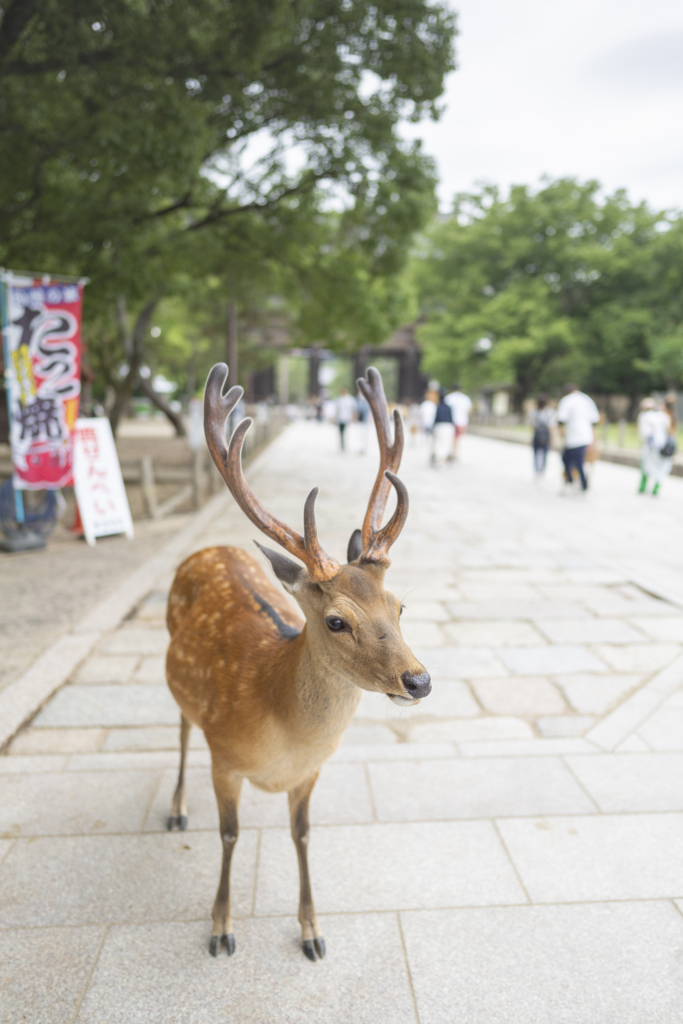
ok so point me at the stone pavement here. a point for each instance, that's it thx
(507, 852)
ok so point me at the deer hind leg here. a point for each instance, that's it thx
(313, 942)
(227, 786)
(179, 810)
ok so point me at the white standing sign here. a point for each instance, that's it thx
(100, 493)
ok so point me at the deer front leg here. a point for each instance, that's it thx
(313, 942)
(179, 810)
(227, 786)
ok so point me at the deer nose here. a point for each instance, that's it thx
(417, 686)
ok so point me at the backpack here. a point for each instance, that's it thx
(541, 436)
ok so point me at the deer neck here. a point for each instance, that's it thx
(322, 700)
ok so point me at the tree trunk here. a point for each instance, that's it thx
(134, 348)
(146, 385)
(233, 366)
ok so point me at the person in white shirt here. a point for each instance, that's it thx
(577, 413)
(460, 404)
(655, 429)
(428, 412)
(346, 410)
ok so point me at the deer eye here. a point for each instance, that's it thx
(336, 625)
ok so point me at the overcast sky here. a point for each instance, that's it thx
(588, 88)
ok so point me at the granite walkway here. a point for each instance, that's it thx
(508, 852)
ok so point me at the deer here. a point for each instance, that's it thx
(274, 694)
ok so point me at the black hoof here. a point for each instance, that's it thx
(224, 940)
(314, 949)
(180, 823)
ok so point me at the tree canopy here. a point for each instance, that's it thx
(144, 143)
(552, 284)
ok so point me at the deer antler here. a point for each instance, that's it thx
(229, 462)
(376, 541)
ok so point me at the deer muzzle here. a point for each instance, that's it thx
(415, 686)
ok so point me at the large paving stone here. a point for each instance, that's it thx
(664, 629)
(18, 764)
(388, 867)
(104, 668)
(615, 963)
(459, 662)
(494, 633)
(549, 660)
(424, 611)
(628, 782)
(555, 726)
(456, 730)
(483, 591)
(592, 694)
(153, 737)
(340, 796)
(43, 972)
(526, 748)
(422, 634)
(524, 696)
(58, 741)
(616, 857)
(75, 804)
(110, 706)
(163, 973)
(591, 631)
(364, 733)
(646, 658)
(516, 609)
(448, 699)
(135, 641)
(89, 880)
(151, 670)
(475, 788)
(664, 729)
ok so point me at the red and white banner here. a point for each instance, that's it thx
(41, 328)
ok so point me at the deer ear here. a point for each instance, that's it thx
(287, 571)
(355, 548)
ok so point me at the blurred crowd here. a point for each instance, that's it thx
(571, 429)
(439, 422)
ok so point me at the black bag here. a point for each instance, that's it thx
(669, 448)
(541, 436)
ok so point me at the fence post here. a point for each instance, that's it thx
(197, 477)
(149, 491)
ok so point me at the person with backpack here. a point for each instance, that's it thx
(542, 420)
(657, 434)
(443, 431)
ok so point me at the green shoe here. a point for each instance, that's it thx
(643, 483)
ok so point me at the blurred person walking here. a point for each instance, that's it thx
(428, 408)
(461, 405)
(656, 429)
(542, 420)
(577, 413)
(443, 433)
(345, 413)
